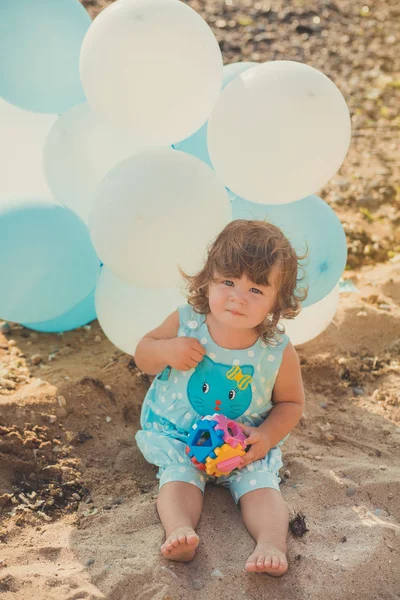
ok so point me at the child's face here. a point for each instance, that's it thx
(240, 303)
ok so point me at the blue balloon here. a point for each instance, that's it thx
(196, 144)
(311, 223)
(79, 315)
(47, 262)
(40, 43)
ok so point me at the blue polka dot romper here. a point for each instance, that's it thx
(236, 383)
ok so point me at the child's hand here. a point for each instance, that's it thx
(184, 353)
(260, 445)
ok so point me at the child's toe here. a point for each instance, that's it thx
(275, 562)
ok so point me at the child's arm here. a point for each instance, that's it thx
(288, 400)
(160, 348)
(287, 397)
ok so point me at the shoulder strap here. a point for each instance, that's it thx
(189, 320)
(282, 340)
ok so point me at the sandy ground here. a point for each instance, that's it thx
(68, 428)
(77, 499)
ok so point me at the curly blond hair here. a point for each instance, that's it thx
(252, 248)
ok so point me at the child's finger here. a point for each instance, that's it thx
(252, 439)
(248, 458)
(247, 429)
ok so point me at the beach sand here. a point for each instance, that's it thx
(341, 471)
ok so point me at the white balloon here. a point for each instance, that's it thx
(152, 65)
(313, 319)
(126, 313)
(80, 149)
(278, 132)
(154, 211)
(22, 137)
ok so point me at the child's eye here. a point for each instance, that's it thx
(256, 290)
(228, 282)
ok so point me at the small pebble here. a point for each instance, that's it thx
(335, 558)
(358, 391)
(108, 388)
(197, 584)
(43, 515)
(287, 473)
(217, 573)
(384, 306)
(380, 512)
(12, 343)
(52, 418)
(97, 338)
(36, 359)
(323, 405)
(61, 401)
(76, 496)
(92, 511)
(87, 327)
(108, 419)
(7, 383)
(89, 562)
(5, 328)
(52, 356)
(350, 491)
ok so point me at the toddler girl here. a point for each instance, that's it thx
(249, 282)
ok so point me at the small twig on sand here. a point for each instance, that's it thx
(357, 444)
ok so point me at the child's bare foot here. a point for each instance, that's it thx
(267, 558)
(181, 544)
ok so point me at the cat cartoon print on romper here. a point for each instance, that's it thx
(236, 383)
(214, 387)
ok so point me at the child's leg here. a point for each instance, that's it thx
(179, 505)
(266, 516)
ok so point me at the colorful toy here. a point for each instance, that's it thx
(216, 444)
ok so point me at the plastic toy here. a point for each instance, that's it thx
(215, 445)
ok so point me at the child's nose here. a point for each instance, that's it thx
(238, 296)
